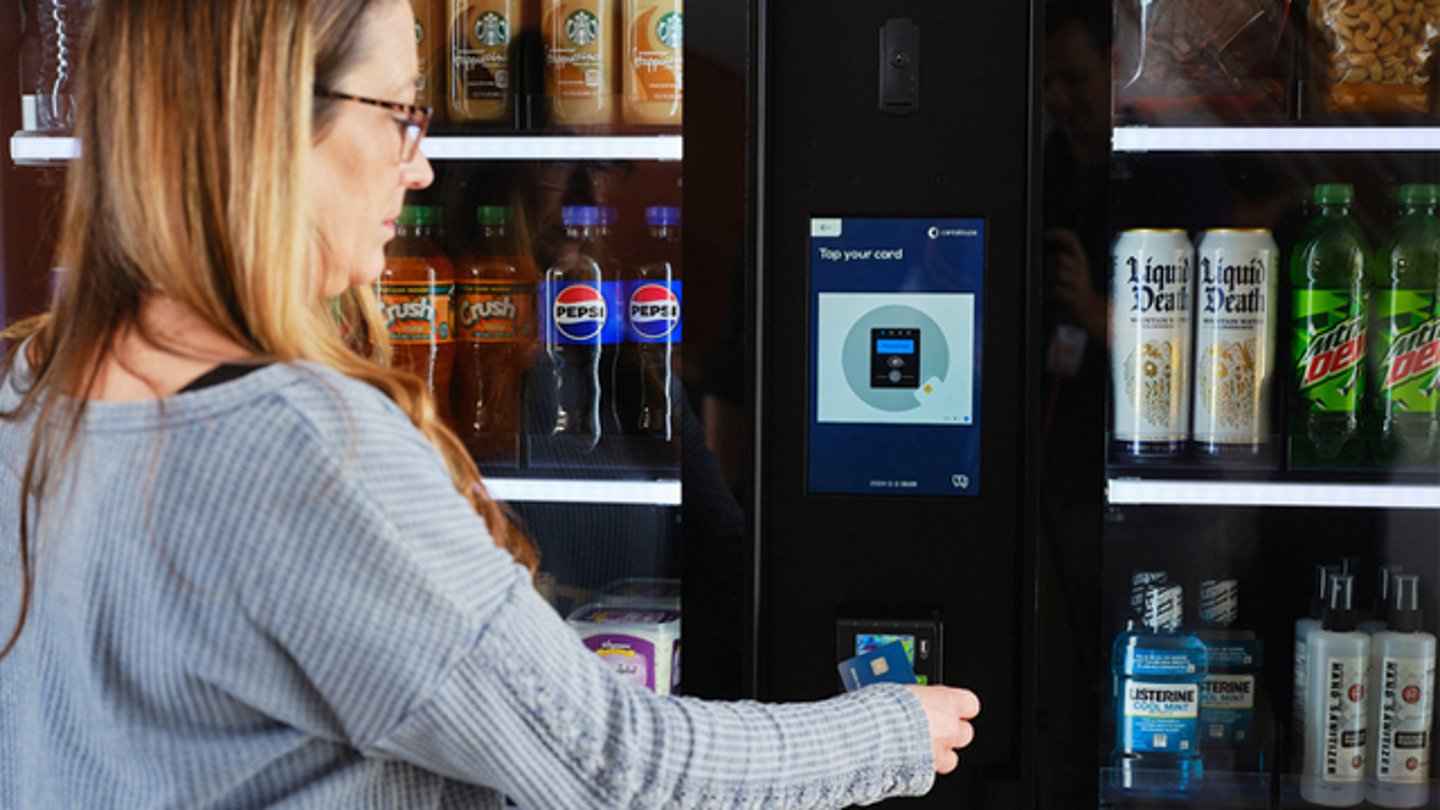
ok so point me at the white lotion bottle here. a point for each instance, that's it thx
(1337, 658)
(1402, 677)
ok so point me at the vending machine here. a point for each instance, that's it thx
(1239, 277)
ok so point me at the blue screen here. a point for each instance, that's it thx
(918, 275)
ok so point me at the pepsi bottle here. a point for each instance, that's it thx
(652, 334)
(577, 325)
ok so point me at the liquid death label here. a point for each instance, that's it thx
(1344, 719)
(1409, 336)
(416, 312)
(1159, 716)
(1151, 277)
(1403, 753)
(1329, 341)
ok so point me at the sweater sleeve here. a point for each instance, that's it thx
(427, 644)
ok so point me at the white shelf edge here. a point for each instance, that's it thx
(29, 149)
(521, 147)
(1143, 492)
(554, 490)
(1275, 139)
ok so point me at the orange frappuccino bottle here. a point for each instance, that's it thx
(581, 42)
(414, 292)
(494, 307)
(482, 33)
(430, 47)
(654, 84)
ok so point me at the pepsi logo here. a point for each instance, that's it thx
(654, 311)
(580, 312)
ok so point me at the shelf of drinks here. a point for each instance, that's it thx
(558, 490)
(1275, 139)
(28, 149)
(1126, 491)
(1259, 790)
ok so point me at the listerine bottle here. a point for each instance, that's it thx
(1402, 685)
(1157, 673)
(1336, 712)
(1232, 710)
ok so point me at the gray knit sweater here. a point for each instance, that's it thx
(266, 593)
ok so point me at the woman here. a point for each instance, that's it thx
(249, 566)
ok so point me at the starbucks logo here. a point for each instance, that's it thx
(671, 30)
(583, 28)
(491, 29)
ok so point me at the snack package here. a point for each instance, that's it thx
(1178, 59)
(1373, 56)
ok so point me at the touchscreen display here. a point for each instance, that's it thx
(895, 355)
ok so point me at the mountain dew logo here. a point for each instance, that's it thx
(671, 30)
(1409, 334)
(1329, 329)
(492, 30)
(583, 28)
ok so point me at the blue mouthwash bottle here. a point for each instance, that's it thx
(1231, 705)
(1157, 673)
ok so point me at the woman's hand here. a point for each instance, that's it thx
(949, 711)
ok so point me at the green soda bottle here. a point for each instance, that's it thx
(1406, 349)
(1328, 290)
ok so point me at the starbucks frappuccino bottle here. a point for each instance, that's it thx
(581, 44)
(481, 37)
(430, 47)
(653, 62)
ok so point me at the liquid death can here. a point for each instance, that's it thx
(1150, 284)
(1235, 343)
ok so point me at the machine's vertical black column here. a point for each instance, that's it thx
(937, 122)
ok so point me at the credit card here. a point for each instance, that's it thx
(887, 664)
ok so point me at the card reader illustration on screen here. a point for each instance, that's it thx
(895, 358)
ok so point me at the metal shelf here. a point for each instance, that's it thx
(556, 490)
(1147, 492)
(28, 149)
(1275, 139)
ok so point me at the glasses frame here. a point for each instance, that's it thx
(414, 119)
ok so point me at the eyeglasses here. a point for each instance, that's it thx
(413, 119)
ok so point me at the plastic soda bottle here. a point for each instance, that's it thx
(577, 323)
(414, 292)
(1406, 346)
(1328, 320)
(494, 307)
(1157, 672)
(653, 296)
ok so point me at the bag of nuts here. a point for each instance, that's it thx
(1374, 56)
(1200, 58)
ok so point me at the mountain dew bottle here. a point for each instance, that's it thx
(1328, 289)
(1406, 350)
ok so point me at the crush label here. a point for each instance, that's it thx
(494, 312)
(416, 312)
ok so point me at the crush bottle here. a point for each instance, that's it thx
(1406, 343)
(414, 292)
(1157, 671)
(495, 337)
(652, 293)
(576, 326)
(1328, 326)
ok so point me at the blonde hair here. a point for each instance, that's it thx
(197, 121)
